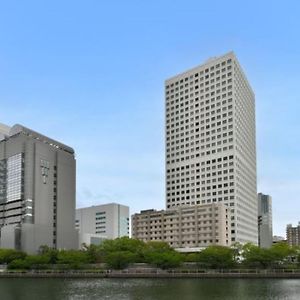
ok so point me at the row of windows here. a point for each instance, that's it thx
(202, 154)
(202, 72)
(195, 84)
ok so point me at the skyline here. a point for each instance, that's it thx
(100, 82)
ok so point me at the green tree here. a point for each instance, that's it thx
(282, 253)
(119, 259)
(8, 255)
(72, 257)
(277, 256)
(94, 253)
(51, 253)
(255, 257)
(162, 255)
(216, 257)
(18, 264)
(237, 249)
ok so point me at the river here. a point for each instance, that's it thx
(149, 289)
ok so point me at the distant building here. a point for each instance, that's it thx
(37, 191)
(265, 230)
(107, 221)
(278, 239)
(191, 227)
(293, 235)
(4, 131)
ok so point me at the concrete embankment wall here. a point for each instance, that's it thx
(159, 274)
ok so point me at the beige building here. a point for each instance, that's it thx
(210, 142)
(184, 227)
(293, 235)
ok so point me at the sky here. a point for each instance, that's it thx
(91, 74)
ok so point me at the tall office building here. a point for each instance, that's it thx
(37, 191)
(210, 142)
(265, 228)
(106, 221)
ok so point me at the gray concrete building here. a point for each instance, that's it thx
(265, 227)
(211, 143)
(106, 221)
(293, 235)
(186, 229)
(37, 191)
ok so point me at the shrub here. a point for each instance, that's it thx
(18, 264)
(8, 255)
(119, 259)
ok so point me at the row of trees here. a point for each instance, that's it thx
(119, 253)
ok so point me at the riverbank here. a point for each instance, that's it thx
(158, 273)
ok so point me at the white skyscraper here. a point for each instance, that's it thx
(210, 142)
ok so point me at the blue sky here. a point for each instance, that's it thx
(91, 74)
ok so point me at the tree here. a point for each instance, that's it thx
(256, 257)
(51, 253)
(72, 257)
(94, 253)
(277, 255)
(122, 244)
(18, 264)
(162, 255)
(282, 252)
(8, 255)
(237, 251)
(119, 259)
(216, 257)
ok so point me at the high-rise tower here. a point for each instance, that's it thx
(210, 142)
(37, 191)
(265, 228)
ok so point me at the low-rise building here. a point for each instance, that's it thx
(107, 221)
(278, 239)
(190, 227)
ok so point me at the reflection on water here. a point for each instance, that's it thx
(149, 289)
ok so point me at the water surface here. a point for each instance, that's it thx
(149, 289)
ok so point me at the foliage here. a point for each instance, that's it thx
(216, 257)
(282, 252)
(190, 257)
(278, 255)
(8, 255)
(123, 244)
(50, 253)
(255, 257)
(162, 255)
(237, 251)
(72, 257)
(120, 259)
(18, 264)
(94, 253)
(121, 252)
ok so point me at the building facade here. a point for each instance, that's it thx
(293, 235)
(265, 227)
(189, 228)
(107, 221)
(37, 191)
(211, 143)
